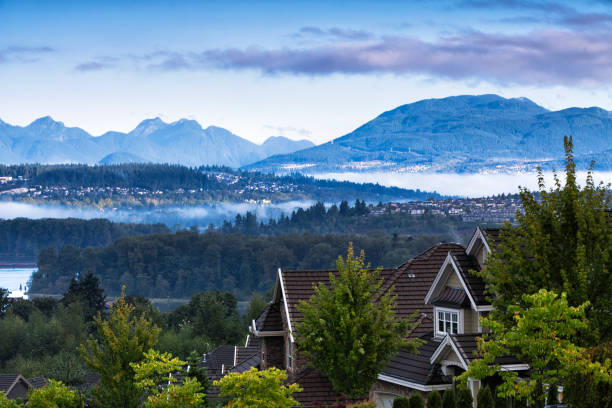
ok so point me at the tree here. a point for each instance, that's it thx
(254, 388)
(7, 403)
(349, 330)
(542, 336)
(54, 395)
(153, 376)
(562, 242)
(122, 339)
(199, 373)
(434, 400)
(86, 291)
(415, 401)
(464, 397)
(552, 396)
(401, 402)
(583, 390)
(4, 302)
(448, 399)
(485, 398)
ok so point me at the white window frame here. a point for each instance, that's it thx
(458, 312)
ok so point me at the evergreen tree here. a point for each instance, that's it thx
(434, 400)
(401, 402)
(464, 397)
(553, 395)
(448, 399)
(485, 398)
(349, 331)
(122, 340)
(562, 242)
(86, 290)
(415, 401)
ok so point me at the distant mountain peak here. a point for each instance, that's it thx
(45, 121)
(148, 126)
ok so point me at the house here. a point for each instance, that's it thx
(437, 284)
(15, 386)
(226, 359)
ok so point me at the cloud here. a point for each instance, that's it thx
(336, 33)
(285, 130)
(97, 64)
(19, 53)
(553, 57)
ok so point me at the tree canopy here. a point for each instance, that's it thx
(562, 242)
(349, 330)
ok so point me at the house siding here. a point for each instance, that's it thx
(453, 281)
(470, 321)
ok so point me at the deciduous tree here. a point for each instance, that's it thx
(254, 388)
(349, 330)
(122, 339)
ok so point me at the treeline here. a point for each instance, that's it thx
(344, 219)
(24, 237)
(181, 264)
(40, 336)
(212, 180)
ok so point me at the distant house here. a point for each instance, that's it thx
(15, 386)
(436, 283)
(226, 359)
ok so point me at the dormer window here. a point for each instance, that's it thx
(447, 321)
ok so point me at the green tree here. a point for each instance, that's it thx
(7, 403)
(434, 400)
(254, 388)
(4, 302)
(448, 399)
(464, 397)
(542, 336)
(562, 242)
(87, 291)
(401, 402)
(154, 378)
(415, 401)
(485, 398)
(199, 373)
(552, 396)
(349, 330)
(122, 339)
(54, 395)
(583, 390)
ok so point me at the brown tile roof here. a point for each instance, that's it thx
(317, 389)
(491, 235)
(467, 346)
(414, 281)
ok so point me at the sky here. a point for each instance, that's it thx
(311, 70)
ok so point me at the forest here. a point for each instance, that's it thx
(179, 265)
(24, 238)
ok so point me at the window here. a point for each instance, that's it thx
(448, 321)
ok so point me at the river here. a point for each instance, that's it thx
(16, 280)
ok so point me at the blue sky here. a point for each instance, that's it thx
(304, 69)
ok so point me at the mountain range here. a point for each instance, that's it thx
(459, 134)
(153, 140)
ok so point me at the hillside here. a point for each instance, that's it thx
(460, 134)
(153, 140)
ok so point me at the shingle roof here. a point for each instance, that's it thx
(414, 281)
(252, 347)
(270, 319)
(246, 364)
(7, 381)
(220, 359)
(317, 389)
(417, 367)
(467, 346)
(476, 285)
(452, 297)
(38, 382)
(491, 235)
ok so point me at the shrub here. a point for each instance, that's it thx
(448, 399)
(365, 404)
(415, 401)
(401, 402)
(485, 398)
(434, 400)
(464, 397)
